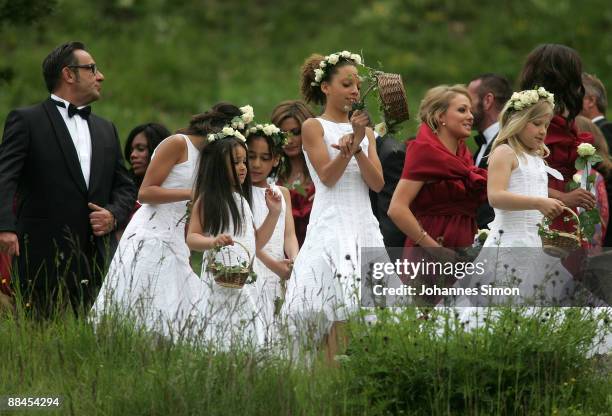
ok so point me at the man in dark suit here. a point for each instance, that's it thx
(489, 93)
(391, 153)
(595, 104)
(66, 168)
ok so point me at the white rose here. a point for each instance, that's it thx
(268, 130)
(381, 129)
(211, 138)
(259, 127)
(319, 74)
(228, 131)
(356, 58)
(515, 96)
(333, 59)
(247, 114)
(253, 130)
(577, 177)
(518, 105)
(345, 54)
(241, 125)
(275, 129)
(542, 91)
(323, 64)
(586, 149)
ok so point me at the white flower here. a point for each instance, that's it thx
(239, 136)
(586, 149)
(268, 130)
(356, 58)
(518, 105)
(253, 130)
(345, 54)
(577, 177)
(381, 129)
(211, 138)
(322, 64)
(333, 59)
(515, 96)
(314, 84)
(227, 131)
(542, 91)
(319, 74)
(259, 127)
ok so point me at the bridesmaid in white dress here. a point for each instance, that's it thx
(150, 278)
(341, 156)
(222, 219)
(275, 259)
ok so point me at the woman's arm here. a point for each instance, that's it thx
(170, 152)
(371, 169)
(401, 215)
(329, 170)
(196, 240)
(291, 246)
(501, 164)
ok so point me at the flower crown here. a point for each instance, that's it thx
(329, 61)
(524, 99)
(279, 137)
(241, 121)
(226, 131)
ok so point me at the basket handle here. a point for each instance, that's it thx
(250, 257)
(576, 220)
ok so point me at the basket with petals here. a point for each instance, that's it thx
(232, 276)
(391, 96)
(558, 243)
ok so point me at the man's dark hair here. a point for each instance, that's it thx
(59, 57)
(497, 85)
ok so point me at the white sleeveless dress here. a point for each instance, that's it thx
(268, 283)
(150, 278)
(326, 279)
(230, 317)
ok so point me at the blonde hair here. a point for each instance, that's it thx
(436, 102)
(583, 124)
(512, 123)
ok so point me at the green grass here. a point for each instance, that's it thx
(403, 365)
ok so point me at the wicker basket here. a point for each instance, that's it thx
(561, 243)
(233, 280)
(392, 97)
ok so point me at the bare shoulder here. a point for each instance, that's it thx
(503, 154)
(312, 125)
(172, 145)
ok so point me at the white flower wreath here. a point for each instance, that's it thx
(279, 137)
(524, 99)
(241, 121)
(331, 60)
(227, 131)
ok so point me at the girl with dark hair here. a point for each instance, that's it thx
(139, 147)
(222, 216)
(558, 69)
(341, 157)
(293, 172)
(275, 259)
(150, 278)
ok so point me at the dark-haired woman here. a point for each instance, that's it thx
(150, 278)
(293, 173)
(140, 145)
(558, 69)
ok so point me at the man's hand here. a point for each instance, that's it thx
(102, 220)
(9, 243)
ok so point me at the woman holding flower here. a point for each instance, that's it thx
(558, 69)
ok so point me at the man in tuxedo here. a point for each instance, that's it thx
(65, 166)
(595, 104)
(391, 153)
(489, 93)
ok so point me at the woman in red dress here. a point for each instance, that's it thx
(558, 69)
(293, 174)
(436, 199)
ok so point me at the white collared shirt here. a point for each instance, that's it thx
(489, 134)
(79, 132)
(596, 119)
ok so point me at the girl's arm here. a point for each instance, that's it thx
(170, 152)
(265, 230)
(281, 268)
(371, 169)
(401, 215)
(501, 164)
(290, 243)
(329, 170)
(196, 240)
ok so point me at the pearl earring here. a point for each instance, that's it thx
(443, 123)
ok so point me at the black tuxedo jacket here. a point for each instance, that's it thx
(391, 154)
(484, 213)
(39, 164)
(606, 128)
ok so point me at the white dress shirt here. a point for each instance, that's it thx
(489, 134)
(596, 119)
(79, 132)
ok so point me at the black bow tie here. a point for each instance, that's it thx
(480, 140)
(72, 110)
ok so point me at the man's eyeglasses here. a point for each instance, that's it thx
(295, 132)
(92, 67)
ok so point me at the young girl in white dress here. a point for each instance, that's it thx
(222, 219)
(150, 278)
(518, 191)
(275, 259)
(324, 288)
